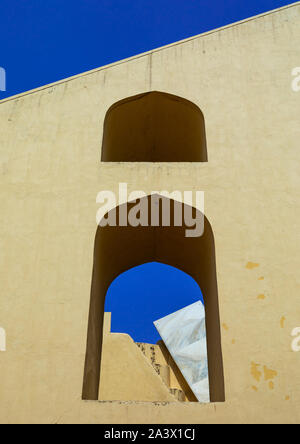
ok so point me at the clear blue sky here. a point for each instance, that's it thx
(145, 294)
(42, 41)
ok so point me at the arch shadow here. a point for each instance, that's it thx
(154, 127)
(118, 249)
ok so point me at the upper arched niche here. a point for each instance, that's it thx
(154, 127)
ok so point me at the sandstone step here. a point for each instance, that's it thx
(178, 394)
(162, 362)
(177, 381)
(153, 353)
(175, 374)
(164, 373)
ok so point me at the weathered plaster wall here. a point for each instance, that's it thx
(126, 374)
(50, 174)
(139, 371)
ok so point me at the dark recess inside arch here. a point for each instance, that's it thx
(119, 248)
(154, 127)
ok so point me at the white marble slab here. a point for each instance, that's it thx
(184, 334)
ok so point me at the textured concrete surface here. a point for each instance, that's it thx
(50, 174)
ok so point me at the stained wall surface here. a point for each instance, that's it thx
(50, 174)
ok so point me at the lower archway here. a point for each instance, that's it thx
(120, 248)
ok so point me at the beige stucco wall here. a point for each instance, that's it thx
(126, 374)
(138, 371)
(50, 174)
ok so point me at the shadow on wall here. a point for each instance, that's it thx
(117, 249)
(154, 127)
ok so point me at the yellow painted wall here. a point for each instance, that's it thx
(126, 374)
(50, 174)
(138, 372)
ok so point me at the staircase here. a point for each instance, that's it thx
(161, 361)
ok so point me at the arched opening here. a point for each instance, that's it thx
(164, 290)
(120, 248)
(154, 127)
(134, 350)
